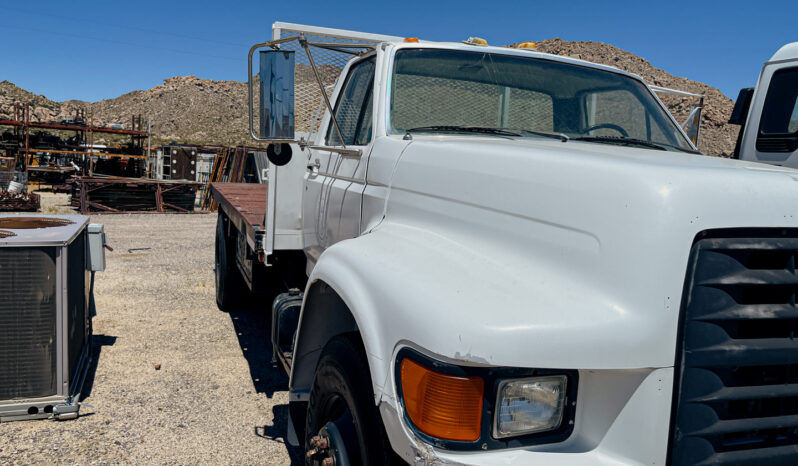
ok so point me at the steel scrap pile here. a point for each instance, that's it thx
(19, 201)
(13, 189)
(123, 195)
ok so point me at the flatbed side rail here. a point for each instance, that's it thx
(245, 205)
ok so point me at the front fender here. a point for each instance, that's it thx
(410, 285)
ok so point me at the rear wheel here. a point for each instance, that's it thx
(231, 290)
(342, 423)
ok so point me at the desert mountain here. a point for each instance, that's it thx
(193, 110)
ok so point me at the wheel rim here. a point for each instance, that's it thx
(337, 441)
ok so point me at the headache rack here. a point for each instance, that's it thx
(736, 387)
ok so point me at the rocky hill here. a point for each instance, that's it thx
(190, 109)
(183, 108)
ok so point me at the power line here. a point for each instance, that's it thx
(114, 41)
(120, 26)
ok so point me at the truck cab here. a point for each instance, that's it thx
(768, 114)
(514, 258)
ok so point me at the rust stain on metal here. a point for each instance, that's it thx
(7, 234)
(26, 223)
(249, 199)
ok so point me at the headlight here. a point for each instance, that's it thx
(528, 406)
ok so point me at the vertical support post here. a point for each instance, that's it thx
(158, 198)
(149, 165)
(504, 108)
(27, 137)
(83, 197)
(91, 141)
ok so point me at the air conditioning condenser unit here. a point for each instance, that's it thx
(46, 274)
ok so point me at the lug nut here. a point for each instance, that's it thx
(319, 442)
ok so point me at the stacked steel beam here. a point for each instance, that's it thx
(112, 195)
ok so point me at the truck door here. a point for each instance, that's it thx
(771, 132)
(335, 181)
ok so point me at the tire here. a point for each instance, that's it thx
(231, 291)
(343, 382)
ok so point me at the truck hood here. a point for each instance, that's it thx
(538, 253)
(599, 152)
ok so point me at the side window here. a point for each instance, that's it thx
(353, 107)
(780, 113)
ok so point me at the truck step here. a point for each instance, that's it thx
(285, 320)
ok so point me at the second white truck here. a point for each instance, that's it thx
(768, 114)
(507, 257)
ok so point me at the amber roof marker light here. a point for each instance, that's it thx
(476, 41)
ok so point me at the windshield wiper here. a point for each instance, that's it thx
(622, 141)
(638, 142)
(547, 134)
(461, 129)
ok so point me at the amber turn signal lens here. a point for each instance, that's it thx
(440, 405)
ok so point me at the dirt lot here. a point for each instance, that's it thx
(216, 398)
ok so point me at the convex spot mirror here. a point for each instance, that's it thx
(277, 95)
(279, 154)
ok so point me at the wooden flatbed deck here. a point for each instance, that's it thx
(244, 204)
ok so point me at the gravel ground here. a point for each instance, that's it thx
(216, 399)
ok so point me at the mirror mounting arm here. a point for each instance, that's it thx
(304, 43)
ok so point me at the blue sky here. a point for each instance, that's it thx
(92, 50)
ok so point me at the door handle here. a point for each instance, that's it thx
(313, 168)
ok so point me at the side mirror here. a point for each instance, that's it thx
(693, 122)
(279, 154)
(277, 96)
(740, 112)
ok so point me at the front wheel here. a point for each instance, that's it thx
(343, 426)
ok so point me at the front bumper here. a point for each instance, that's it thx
(622, 417)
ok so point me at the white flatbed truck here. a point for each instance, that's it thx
(507, 257)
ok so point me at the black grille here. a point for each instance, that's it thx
(27, 323)
(777, 144)
(736, 393)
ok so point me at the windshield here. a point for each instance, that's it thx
(447, 88)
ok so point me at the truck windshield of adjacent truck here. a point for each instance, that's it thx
(439, 90)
